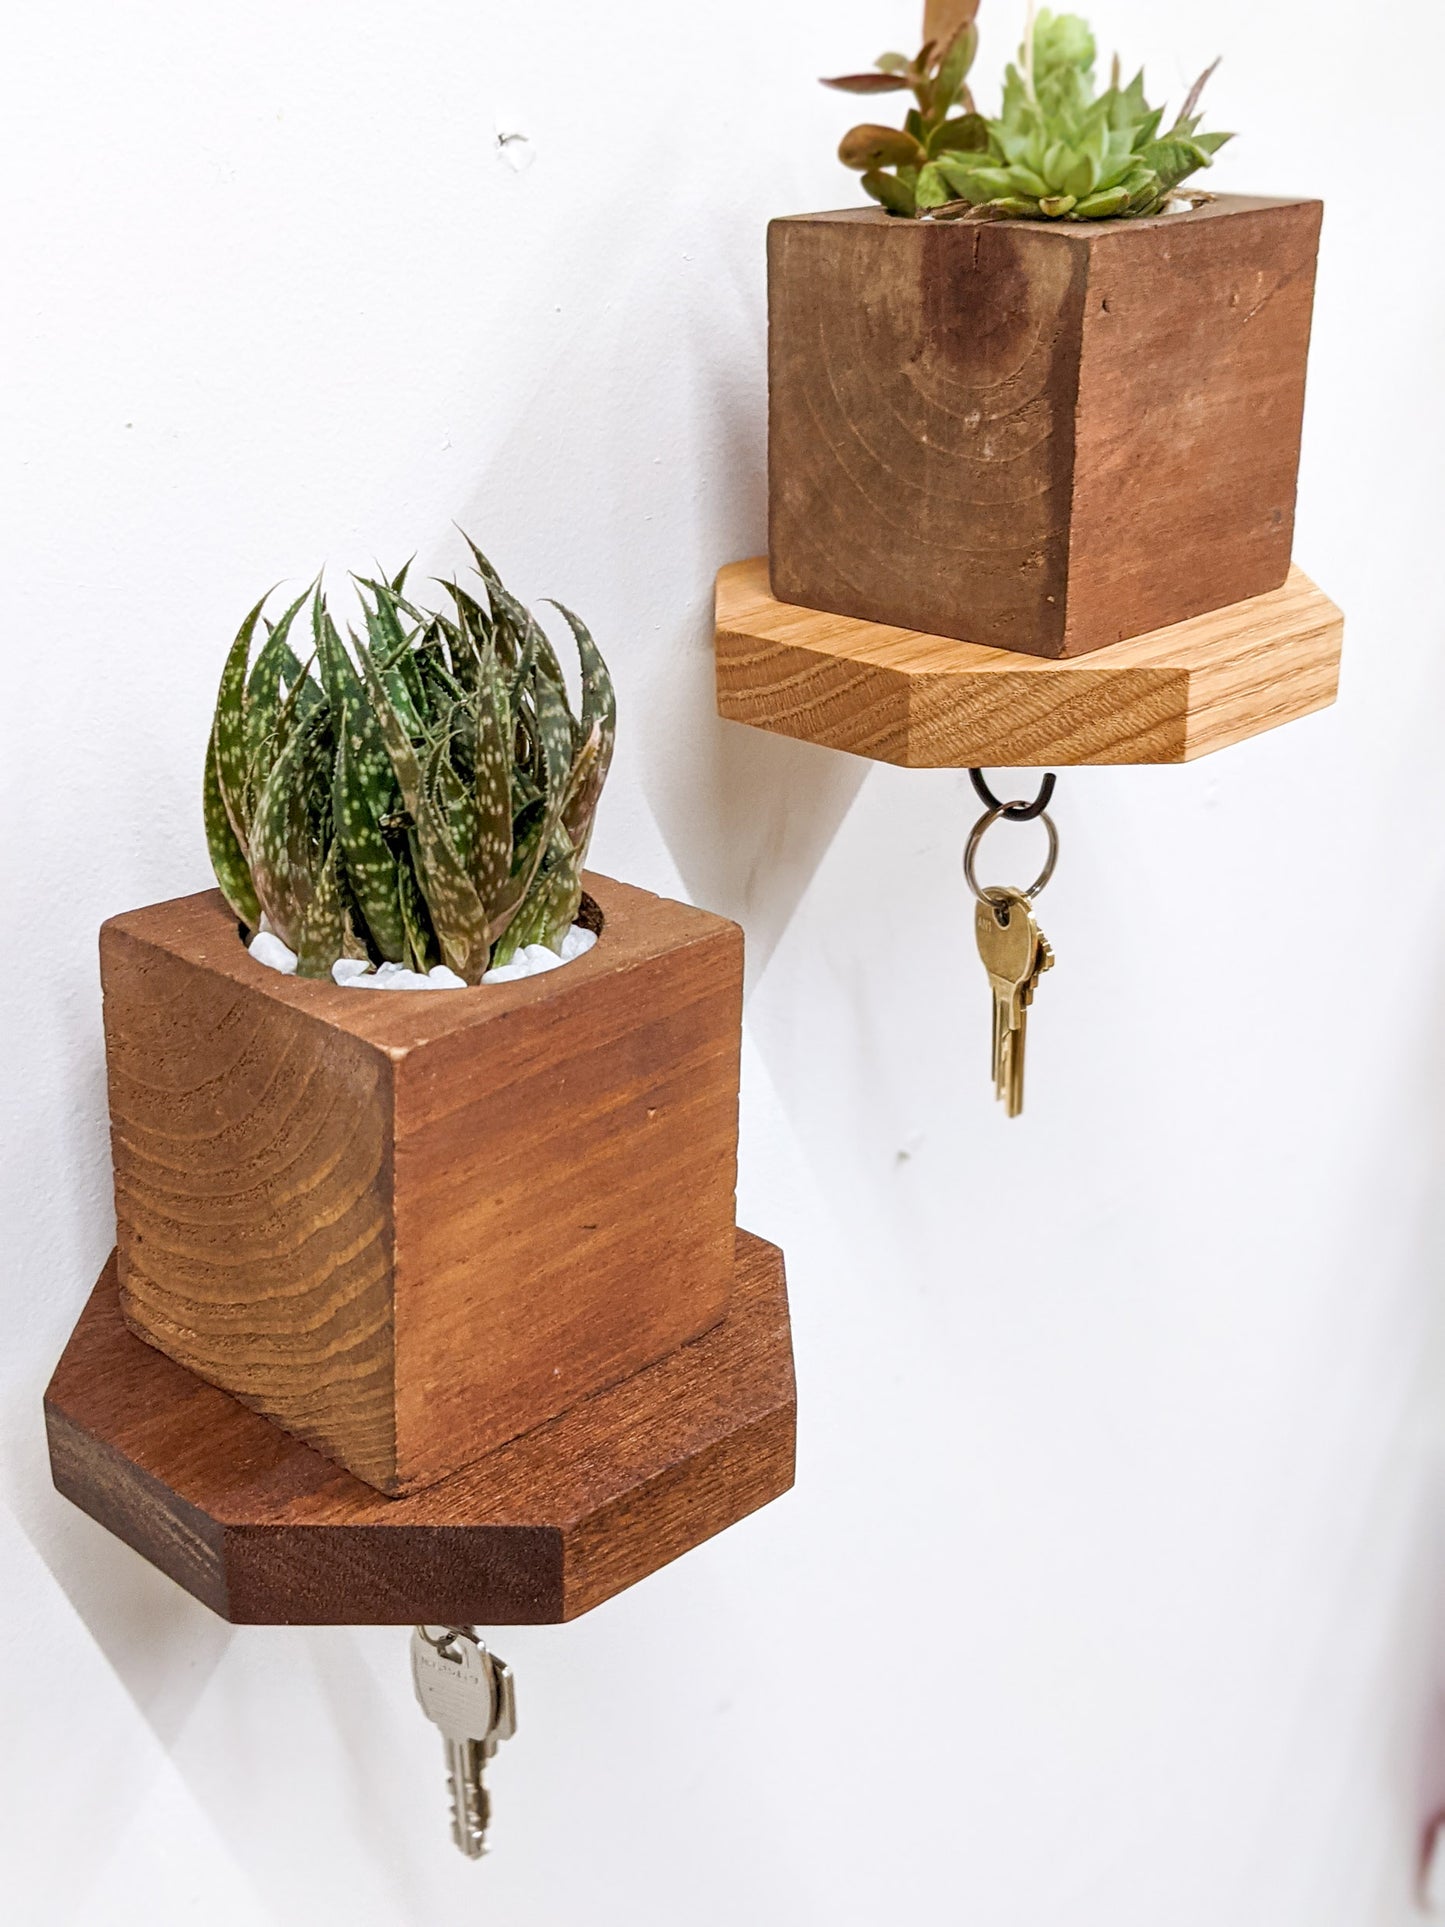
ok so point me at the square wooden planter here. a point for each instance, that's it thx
(1038, 437)
(410, 1226)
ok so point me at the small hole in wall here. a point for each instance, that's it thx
(515, 148)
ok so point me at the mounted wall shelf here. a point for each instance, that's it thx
(925, 702)
(266, 1531)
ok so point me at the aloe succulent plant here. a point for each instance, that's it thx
(1058, 150)
(425, 796)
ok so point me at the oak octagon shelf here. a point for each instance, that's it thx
(925, 702)
(265, 1531)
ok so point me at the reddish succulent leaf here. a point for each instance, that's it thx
(872, 83)
(868, 146)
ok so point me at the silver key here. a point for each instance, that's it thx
(468, 1693)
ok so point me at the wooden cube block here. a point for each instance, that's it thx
(1037, 436)
(409, 1226)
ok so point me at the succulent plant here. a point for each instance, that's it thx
(900, 165)
(425, 797)
(1058, 150)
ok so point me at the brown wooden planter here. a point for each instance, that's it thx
(1039, 437)
(409, 1227)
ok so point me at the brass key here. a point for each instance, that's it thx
(1015, 953)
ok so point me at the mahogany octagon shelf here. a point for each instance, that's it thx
(925, 702)
(265, 1531)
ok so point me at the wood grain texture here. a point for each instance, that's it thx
(266, 1531)
(1032, 436)
(928, 702)
(408, 1228)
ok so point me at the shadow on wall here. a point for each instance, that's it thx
(747, 817)
(162, 1645)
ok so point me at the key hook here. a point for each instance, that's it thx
(1014, 812)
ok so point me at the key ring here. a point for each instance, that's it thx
(445, 1647)
(981, 830)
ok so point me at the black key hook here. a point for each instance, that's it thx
(1014, 812)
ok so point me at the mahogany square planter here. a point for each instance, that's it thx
(410, 1226)
(1037, 436)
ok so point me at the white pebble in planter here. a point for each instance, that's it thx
(352, 973)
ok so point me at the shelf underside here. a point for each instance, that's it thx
(926, 702)
(268, 1532)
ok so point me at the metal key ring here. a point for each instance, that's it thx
(445, 1647)
(981, 830)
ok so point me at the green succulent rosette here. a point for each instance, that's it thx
(1059, 149)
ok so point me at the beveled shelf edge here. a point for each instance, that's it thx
(266, 1531)
(926, 702)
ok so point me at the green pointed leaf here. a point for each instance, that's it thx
(599, 717)
(1174, 160)
(550, 907)
(967, 135)
(492, 758)
(534, 845)
(892, 193)
(954, 68)
(228, 859)
(422, 950)
(457, 913)
(1099, 207)
(454, 801)
(1009, 207)
(364, 794)
(390, 645)
(276, 664)
(228, 728)
(322, 936)
(933, 190)
(292, 829)
(973, 180)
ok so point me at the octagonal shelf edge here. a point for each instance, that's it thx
(266, 1531)
(927, 702)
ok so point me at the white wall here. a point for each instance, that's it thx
(1112, 1588)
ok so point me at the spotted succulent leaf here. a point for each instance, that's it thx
(292, 830)
(457, 913)
(276, 669)
(322, 936)
(364, 794)
(551, 906)
(425, 795)
(228, 728)
(228, 859)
